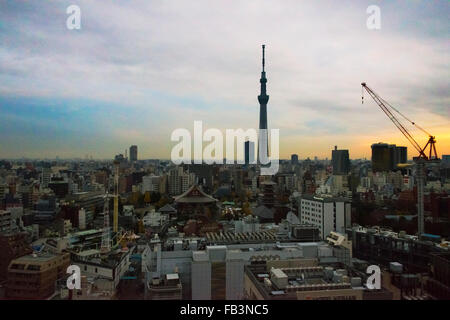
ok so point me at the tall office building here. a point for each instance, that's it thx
(249, 151)
(381, 157)
(401, 154)
(133, 153)
(45, 176)
(263, 98)
(386, 157)
(294, 159)
(341, 161)
(175, 180)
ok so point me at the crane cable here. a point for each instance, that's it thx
(396, 110)
(406, 118)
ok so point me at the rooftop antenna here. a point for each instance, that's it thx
(263, 60)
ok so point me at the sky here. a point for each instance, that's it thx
(137, 70)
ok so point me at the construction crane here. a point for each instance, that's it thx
(421, 160)
(116, 197)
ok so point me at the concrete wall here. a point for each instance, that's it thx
(235, 280)
(328, 219)
(201, 280)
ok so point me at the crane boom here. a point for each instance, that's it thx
(386, 108)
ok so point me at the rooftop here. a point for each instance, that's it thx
(322, 198)
(195, 195)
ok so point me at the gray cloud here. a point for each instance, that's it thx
(200, 60)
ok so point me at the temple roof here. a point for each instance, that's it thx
(292, 218)
(195, 195)
(264, 212)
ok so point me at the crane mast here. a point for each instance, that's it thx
(106, 238)
(116, 197)
(420, 160)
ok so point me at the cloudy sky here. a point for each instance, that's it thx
(137, 70)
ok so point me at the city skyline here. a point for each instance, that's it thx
(131, 77)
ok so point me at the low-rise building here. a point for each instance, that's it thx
(34, 276)
(306, 280)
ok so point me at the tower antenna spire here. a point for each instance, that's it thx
(263, 58)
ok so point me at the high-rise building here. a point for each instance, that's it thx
(386, 157)
(45, 177)
(401, 154)
(151, 183)
(381, 157)
(263, 98)
(341, 161)
(294, 159)
(180, 180)
(249, 151)
(133, 153)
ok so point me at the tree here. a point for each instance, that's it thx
(147, 197)
(162, 202)
(155, 197)
(246, 208)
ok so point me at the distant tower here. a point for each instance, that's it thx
(341, 161)
(116, 197)
(263, 98)
(133, 153)
(249, 152)
(106, 239)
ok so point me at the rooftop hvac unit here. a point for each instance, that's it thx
(342, 272)
(356, 281)
(396, 267)
(337, 278)
(328, 273)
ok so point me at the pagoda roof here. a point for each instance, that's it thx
(195, 195)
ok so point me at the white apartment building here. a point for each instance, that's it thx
(180, 181)
(327, 213)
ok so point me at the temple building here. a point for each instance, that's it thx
(195, 202)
